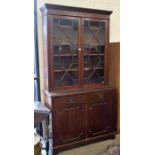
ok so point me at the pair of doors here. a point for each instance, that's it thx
(80, 117)
(78, 48)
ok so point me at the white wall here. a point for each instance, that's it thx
(112, 5)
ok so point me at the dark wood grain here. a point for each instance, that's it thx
(114, 72)
(79, 143)
(77, 9)
(81, 118)
(94, 15)
(100, 114)
(84, 113)
(68, 122)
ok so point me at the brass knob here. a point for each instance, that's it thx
(79, 49)
(70, 101)
(101, 96)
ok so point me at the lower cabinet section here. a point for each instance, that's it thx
(82, 118)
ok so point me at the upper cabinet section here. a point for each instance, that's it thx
(75, 47)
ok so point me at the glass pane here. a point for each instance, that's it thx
(65, 46)
(93, 51)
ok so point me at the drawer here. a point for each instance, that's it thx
(68, 101)
(99, 96)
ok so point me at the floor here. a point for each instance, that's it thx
(92, 149)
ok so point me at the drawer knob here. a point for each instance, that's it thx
(70, 101)
(100, 96)
(79, 49)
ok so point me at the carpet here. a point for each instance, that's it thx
(98, 148)
(111, 150)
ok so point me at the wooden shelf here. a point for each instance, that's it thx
(68, 55)
(65, 55)
(93, 54)
(94, 27)
(69, 70)
(89, 78)
(88, 68)
(64, 26)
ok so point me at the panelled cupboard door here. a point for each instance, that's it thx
(68, 122)
(100, 117)
(65, 43)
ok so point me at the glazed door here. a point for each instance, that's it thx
(65, 38)
(94, 51)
